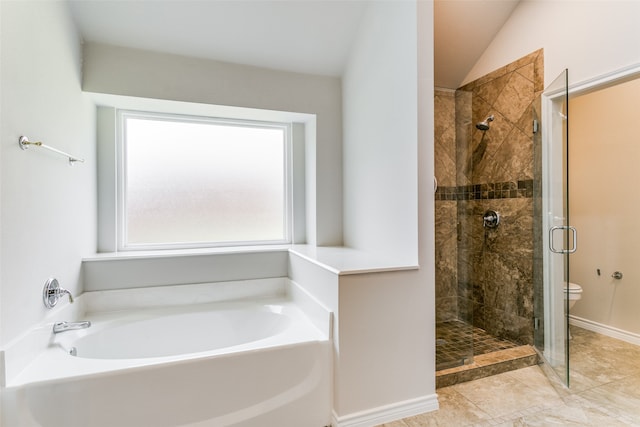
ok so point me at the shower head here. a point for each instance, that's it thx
(485, 125)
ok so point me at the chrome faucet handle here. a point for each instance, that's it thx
(52, 292)
(490, 219)
(63, 291)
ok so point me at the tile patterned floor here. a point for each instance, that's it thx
(455, 338)
(605, 392)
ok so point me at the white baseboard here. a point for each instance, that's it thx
(387, 413)
(607, 330)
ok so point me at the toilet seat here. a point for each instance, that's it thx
(574, 292)
(574, 288)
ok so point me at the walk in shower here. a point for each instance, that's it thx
(487, 213)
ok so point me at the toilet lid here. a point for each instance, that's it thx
(574, 288)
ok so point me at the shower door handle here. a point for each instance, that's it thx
(574, 235)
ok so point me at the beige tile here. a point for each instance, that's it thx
(400, 423)
(597, 414)
(590, 345)
(518, 422)
(516, 154)
(597, 367)
(422, 421)
(566, 416)
(503, 394)
(455, 410)
(528, 71)
(490, 90)
(532, 376)
(445, 137)
(527, 397)
(620, 398)
(515, 98)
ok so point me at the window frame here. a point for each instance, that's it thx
(120, 165)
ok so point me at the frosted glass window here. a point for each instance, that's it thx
(199, 182)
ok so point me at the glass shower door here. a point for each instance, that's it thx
(454, 247)
(558, 238)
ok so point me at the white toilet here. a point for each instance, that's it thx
(574, 293)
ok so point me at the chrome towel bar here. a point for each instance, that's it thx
(24, 143)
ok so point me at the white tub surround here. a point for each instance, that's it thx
(374, 315)
(122, 270)
(184, 295)
(377, 323)
(284, 386)
(125, 340)
(167, 310)
(254, 360)
(22, 351)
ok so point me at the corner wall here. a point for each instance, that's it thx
(48, 208)
(380, 99)
(385, 360)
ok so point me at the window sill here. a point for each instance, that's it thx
(174, 253)
(180, 267)
(347, 261)
(138, 269)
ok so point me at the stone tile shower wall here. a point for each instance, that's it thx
(493, 170)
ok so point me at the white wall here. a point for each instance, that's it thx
(385, 360)
(131, 72)
(603, 204)
(590, 38)
(47, 207)
(385, 351)
(386, 59)
(380, 99)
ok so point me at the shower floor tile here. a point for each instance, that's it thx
(457, 342)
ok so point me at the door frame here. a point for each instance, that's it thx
(555, 306)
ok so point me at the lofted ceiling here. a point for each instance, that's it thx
(463, 29)
(307, 36)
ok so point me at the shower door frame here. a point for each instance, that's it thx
(555, 216)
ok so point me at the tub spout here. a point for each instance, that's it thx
(70, 326)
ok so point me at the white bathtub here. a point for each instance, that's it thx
(216, 364)
(206, 328)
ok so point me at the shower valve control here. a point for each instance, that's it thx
(491, 219)
(617, 275)
(52, 292)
